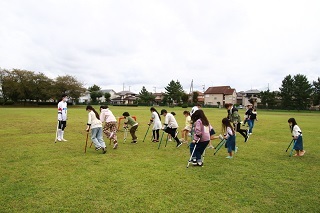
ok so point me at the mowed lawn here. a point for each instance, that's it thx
(38, 175)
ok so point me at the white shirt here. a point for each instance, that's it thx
(171, 121)
(195, 108)
(156, 121)
(296, 131)
(62, 111)
(93, 120)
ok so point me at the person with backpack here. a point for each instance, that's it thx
(234, 117)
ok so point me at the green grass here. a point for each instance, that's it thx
(38, 175)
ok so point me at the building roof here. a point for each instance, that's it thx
(226, 90)
(125, 93)
(255, 91)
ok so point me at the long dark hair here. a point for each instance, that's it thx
(226, 123)
(293, 121)
(152, 109)
(89, 107)
(199, 114)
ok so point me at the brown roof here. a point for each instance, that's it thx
(226, 90)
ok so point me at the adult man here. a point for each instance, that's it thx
(170, 126)
(62, 117)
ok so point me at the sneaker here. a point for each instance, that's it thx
(179, 144)
(59, 139)
(169, 140)
(64, 139)
(236, 150)
(198, 164)
(104, 150)
(246, 138)
(229, 157)
(98, 148)
(194, 162)
(250, 133)
(115, 145)
(134, 142)
(210, 147)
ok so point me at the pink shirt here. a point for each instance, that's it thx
(107, 116)
(201, 131)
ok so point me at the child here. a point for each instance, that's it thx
(96, 129)
(169, 136)
(134, 126)
(201, 130)
(62, 117)
(185, 131)
(229, 136)
(170, 126)
(234, 117)
(110, 127)
(252, 118)
(156, 120)
(297, 136)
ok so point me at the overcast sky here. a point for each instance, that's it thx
(116, 44)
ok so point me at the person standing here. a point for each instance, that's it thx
(170, 126)
(201, 128)
(229, 135)
(134, 126)
(252, 118)
(156, 120)
(95, 125)
(110, 126)
(62, 117)
(297, 136)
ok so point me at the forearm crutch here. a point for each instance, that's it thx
(57, 133)
(160, 140)
(220, 144)
(125, 135)
(167, 140)
(289, 145)
(146, 133)
(194, 148)
(294, 143)
(85, 148)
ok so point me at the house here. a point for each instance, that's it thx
(85, 97)
(124, 97)
(110, 91)
(219, 95)
(252, 95)
(158, 97)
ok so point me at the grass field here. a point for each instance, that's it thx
(38, 175)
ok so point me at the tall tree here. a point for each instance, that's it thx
(68, 85)
(107, 96)
(302, 92)
(316, 92)
(145, 97)
(287, 92)
(95, 93)
(195, 96)
(174, 91)
(268, 99)
(94, 88)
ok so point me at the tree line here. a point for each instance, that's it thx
(16, 85)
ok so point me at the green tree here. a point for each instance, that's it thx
(268, 99)
(68, 85)
(316, 92)
(287, 92)
(43, 87)
(174, 91)
(145, 97)
(302, 92)
(107, 96)
(185, 98)
(95, 93)
(195, 96)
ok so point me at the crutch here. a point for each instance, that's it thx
(289, 145)
(125, 135)
(85, 148)
(194, 148)
(294, 143)
(167, 140)
(160, 140)
(146, 133)
(57, 133)
(220, 144)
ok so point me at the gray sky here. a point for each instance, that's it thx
(116, 44)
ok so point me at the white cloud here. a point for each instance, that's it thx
(245, 44)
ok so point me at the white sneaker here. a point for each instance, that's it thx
(169, 140)
(59, 139)
(236, 150)
(115, 145)
(210, 147)
(64, 139)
